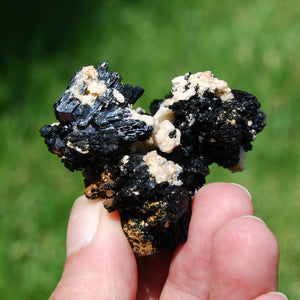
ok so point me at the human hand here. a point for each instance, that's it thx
(229, 254)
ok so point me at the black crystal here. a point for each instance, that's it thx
(124, 153)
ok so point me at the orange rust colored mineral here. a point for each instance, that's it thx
(101, 190)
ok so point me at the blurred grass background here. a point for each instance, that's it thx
(253, 45)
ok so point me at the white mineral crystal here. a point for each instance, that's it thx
(161, 169)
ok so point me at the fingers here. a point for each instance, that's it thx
(227, 255)
(214, 205)
(100, 262)
(244, 260)
(272, 296)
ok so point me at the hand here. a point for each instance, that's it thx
(229, 254)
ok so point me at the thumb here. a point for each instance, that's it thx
(100, 263)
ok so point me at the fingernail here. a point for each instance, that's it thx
(279, 294)
(255, 218)
(83, 223)
(243, 188)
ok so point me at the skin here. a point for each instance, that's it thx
(229, 254)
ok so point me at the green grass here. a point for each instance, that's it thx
(253, 45)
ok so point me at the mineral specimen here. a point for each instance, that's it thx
(148, 166)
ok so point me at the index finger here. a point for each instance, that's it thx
(213, 206)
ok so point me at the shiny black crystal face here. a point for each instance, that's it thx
(148, 166)
(95, 125)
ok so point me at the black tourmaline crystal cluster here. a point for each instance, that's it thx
(148, 166)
